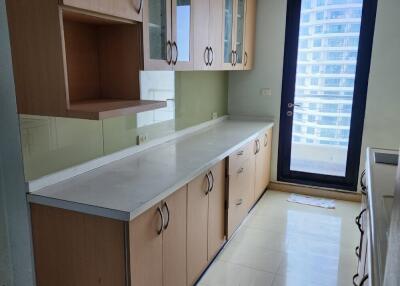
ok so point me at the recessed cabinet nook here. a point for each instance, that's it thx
(85, 56)
(169, 244)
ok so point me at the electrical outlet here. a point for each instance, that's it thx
(214, 115)
(266, 92)
(141, 139)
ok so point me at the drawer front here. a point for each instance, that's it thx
(128, 9)
(237, 158)
(240, 194)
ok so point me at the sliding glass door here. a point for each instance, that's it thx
(327, 58)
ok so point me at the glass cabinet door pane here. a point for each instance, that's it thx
(240, 30)
(157, 29)
(183, 14)
(228, 15)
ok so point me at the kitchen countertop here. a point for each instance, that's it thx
(126, 188)
(381, 180)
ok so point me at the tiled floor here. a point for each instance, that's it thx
(288, 244)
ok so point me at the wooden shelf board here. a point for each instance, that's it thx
(99, 109)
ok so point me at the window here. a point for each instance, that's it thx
(301, 81)
(355, 13)
(336, 2)
(350, 69)
(336, 28)
(316, 56)
(335, 55)
(355, 28)
(315, 68)
(305, 18)
(329, 133)
(301, 69)
(347, 108)
(333, 68)
(318, 29)
(320, 3)
(337, 14)
(306, 4)
(319, 16)
(314, 81)
(351, 56)
(317, 42)
(349, 82)
(352, 42)
(335, 42)
(304, 31)
(303, 44)
(332, 82)
(310, 130)
(302, 56)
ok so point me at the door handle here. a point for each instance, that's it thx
(239, 202)
(161, 229)
(208, 183)
(212, 181)
(206, 56)
(169, 52)
(291, 105)
(176, 53)
(211, 52)
(140, 7)
(165, 205)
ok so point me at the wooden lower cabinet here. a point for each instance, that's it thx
(158, 243)
(263, 163)
(205, 220)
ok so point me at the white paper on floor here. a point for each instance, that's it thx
(312, 201)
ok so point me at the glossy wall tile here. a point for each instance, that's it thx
(51, 144)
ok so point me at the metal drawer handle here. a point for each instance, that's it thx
(212, 181)
(210, 62)
(239, 202)
(176, 54)
(240, 153)
(265, 140)
(363, 186)
(240, 170)
(162, 221)
(167, 208)
(245, 58)
(206, 56)
(257, 146)
(140, 7)
(169, 52)
(208, 183)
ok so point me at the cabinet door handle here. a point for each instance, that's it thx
(212, 181)
(169, 52)
(205, 56)
(236, 57)
(240, 170)
(161, 229)
(358, 253)
(365, 278)
(210, 62)
(176, 53)
(167, 208)
(239, 202)
(354, 280)
(257, 146)
(245, 58)
(208, 183)
(363, 186)
(265, 140)
(357, 220)
(140, 7)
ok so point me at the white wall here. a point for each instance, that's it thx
(382, 121)
(244, 87)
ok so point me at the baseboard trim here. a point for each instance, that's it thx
(315, 191)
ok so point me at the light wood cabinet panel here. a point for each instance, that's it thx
(72, 248)
(239, 156)
(174, 239)
(128, 9)
(146, 249)
(215, 27)
(263, 163)
(197, 226)
(216, 210)
(250, 34)
(201, 18)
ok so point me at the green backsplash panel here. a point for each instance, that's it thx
(51, 144)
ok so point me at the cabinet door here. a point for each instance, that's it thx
(238, 44)
(228, 28)
(174, 239)
(250, 33)
(146, 248)
(268, 154)
(182, 35)
(128, 9)
(197, 226)
(201, 18)
(260, 167)
(216, 210)
(157, 46)
(215, 27)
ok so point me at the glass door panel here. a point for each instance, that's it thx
(240, 15)
(183, 24)
(228, 31)
(157, 29)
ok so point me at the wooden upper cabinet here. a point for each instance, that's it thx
(168, 35)
(238, 44)
(228, 34)
(216, 210)
(208, 22)
(79, 63)
(128, 9)
(250, 34)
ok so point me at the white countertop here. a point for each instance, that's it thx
(381, 179)
(126, 188)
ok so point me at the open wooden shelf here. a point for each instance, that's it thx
(98, 109)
